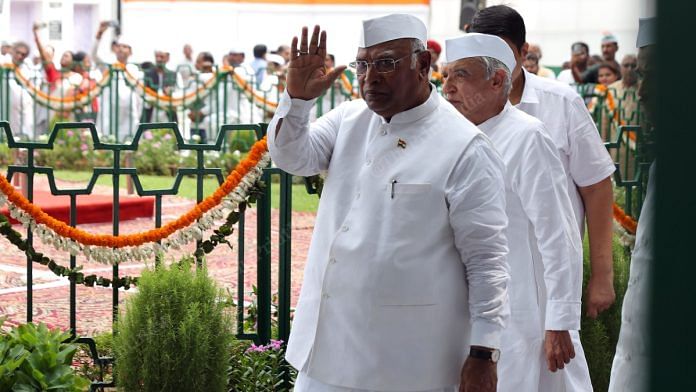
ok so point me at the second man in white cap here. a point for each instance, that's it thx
(544, 247)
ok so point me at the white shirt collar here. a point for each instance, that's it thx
(418, 112)
(529, 94)
(491, 124)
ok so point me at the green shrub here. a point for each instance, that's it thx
(34, 358)
(599, 337)
(5, 155)
(175, 334)
(157, 153)
(73, 149)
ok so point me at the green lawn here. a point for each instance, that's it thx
(301, 200)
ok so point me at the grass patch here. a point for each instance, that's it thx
(301, 200)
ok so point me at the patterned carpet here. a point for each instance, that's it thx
(51, 294)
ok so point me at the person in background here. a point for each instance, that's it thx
(632, 361)
(580, 71)
(259, 63)
(531, 63)
(626, 90)
(330, 61)
(202, 111)
(102, 58)
(588, 168)
(240, 107)
(610, 45)
(544, 72)
(82, 65)
(274, 82)
(235, 57)
(162, 80)
(545, 249)
(53, 75)
(607, 74)
(187, 66)
(21, 103)
(415, 306)
(57, 80)
(435, 49)
(284, 52)
(5, 52)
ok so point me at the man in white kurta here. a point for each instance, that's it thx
(544, 245)
(406, 269)
(587, 164)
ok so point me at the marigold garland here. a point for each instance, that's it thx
(626, 221)
(130, 240)
(70, 102)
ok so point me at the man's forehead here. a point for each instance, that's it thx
(392, 46)
(462, 63)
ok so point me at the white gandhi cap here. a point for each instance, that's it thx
(387, 28)
(478, 45)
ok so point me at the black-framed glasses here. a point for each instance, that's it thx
(630, 65)
(380, 65)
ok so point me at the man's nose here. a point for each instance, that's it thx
(371, 74)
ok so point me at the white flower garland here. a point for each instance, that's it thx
(146, 251)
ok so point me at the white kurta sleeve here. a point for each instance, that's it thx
(540, 182)
(476, 198)
(296, 147)
(590, 161)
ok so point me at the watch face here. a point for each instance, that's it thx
(495, 355)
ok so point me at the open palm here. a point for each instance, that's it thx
(307, 76)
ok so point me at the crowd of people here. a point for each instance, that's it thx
(78, 73)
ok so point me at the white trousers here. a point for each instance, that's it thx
(304, 383)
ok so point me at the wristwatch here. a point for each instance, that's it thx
(492, 355)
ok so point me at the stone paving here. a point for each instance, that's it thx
(94, 310)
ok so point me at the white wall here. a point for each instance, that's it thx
(18, 17)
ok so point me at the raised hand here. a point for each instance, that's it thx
(307, 77)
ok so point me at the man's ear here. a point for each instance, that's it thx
(498, 79)
(524, 50)
(424, 60)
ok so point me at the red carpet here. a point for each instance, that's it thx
(91, 208)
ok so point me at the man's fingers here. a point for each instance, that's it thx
(321, 51)
(293, 49)
(314, 43)
(303, 41)
(591, 311)
(569, 344)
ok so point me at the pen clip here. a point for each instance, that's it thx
(393, 182)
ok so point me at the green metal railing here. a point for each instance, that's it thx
(119, 98)
(262, 334)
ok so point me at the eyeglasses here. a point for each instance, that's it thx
(630, 65)
(381, 65)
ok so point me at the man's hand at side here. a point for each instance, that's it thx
(307, 77)
(559, 349)
(478, 375)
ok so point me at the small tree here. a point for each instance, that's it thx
(175, 334)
